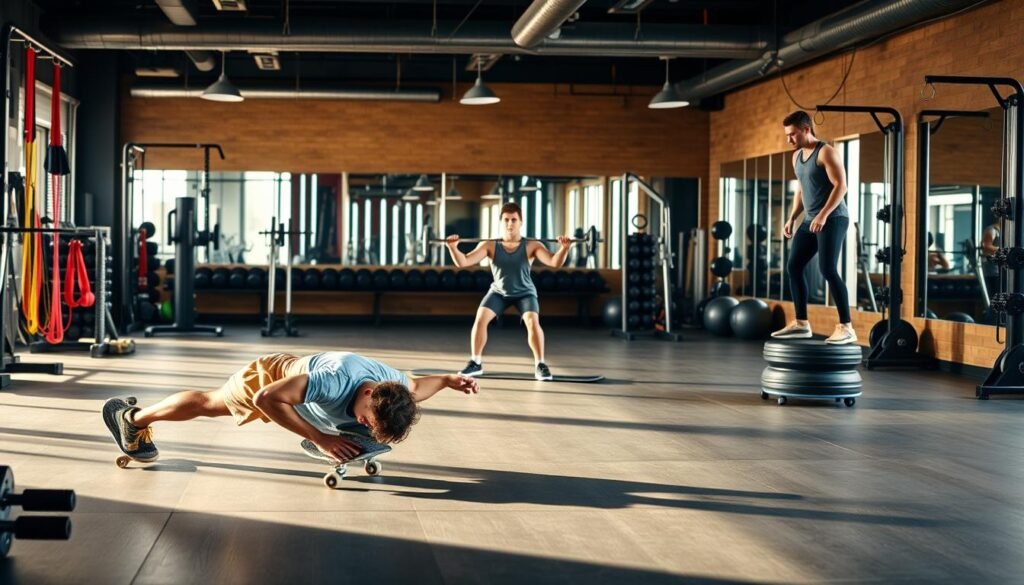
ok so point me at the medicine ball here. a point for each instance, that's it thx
(959, 317)
(721, 230)
(721, 266)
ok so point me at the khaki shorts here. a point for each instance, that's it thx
(243, 384)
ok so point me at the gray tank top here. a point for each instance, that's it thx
(511, 271)
(816, 185)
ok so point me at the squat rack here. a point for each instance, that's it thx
(1007, 374)
(893, 341)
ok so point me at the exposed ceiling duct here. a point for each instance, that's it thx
(858, 23)
(205, 61)
(542, 18)
(350, 36)
(180, 12)
(309, 93)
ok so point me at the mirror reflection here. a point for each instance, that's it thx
(385, 219)
(959, 230)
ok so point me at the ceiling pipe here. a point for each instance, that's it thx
(856, 24)
(348, 36)
(309, 93)
(541, 19)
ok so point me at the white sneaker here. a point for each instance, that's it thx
(842, 336)
(794, 331)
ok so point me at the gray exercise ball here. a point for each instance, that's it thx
(751, 319)
(717, 314)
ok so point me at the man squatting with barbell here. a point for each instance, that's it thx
(510, 260)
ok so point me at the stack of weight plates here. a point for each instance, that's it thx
(811, 369)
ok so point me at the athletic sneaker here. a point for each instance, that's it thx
(472, 369)
(842, 336)
(135, 442)
(794, 331)
(543, 373)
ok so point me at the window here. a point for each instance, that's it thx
(524, 204)
(353, 248)
(573, 210)
(593, 207)
(633, 205)
(396, 229)
(616, 224)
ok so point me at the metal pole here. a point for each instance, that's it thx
(624, 203)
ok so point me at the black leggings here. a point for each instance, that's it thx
(827, 244)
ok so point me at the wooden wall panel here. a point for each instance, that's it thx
(536, 129)
(984, 41)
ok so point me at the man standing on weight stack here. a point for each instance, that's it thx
(510, 259)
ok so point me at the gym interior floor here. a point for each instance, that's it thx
(674, 468)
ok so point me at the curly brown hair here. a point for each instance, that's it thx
(395, 410)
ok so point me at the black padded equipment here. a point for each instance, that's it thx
(717, 315)
(751, 319)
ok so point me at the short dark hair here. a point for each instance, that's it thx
(396, 412)
(511, 207)
(800, 119)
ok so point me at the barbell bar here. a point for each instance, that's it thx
(590, 241)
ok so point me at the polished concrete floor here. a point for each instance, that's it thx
(672, 471)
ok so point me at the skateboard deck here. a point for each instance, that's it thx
(370, 451)
(110, 409)
(514, 376)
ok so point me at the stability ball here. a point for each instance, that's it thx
(612, 313)
(751, 319)
(959, 317)
(717, 313)
(698, 318)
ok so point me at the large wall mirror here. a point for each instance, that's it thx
(756, 198)
(960, 180)
(390, 219)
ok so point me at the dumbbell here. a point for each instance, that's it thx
(32, 527)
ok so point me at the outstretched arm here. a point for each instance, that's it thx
(556, 260)
(277, 400)
(424, 387)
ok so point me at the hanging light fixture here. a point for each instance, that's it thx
(668, 97)
(411, 195)
(529, 185)
(497, 193)
(222, 90)
(423, 184)
(453, 194)
(479, 94)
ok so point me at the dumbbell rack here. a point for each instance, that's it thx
(659, 255)
(105, 340)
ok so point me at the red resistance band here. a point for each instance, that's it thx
(30, 95)
(55, 325)
(143, 263)
(76, 275)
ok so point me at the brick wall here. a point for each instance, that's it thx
(536, 129)
(984, 41)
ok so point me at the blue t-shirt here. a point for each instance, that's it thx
(334, 377)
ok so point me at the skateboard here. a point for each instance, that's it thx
(370, 451)
(110, 409)
(515, 376)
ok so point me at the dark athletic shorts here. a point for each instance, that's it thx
(498, 303)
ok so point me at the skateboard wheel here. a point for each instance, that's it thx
(123, 461)
(132, 401)
(850, 402)
(764, 395)
(373, 467)
(332, 480)
(782, 400)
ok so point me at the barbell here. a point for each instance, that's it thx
(589, 241)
